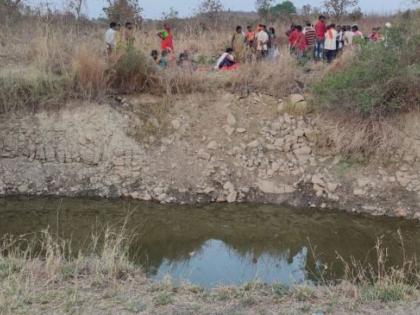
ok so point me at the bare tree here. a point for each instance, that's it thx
(171, 14)
(211, 8)
(124, 10)
(9, 8)
(307, 10)
(75, 7)
(263, 8)
(338, 8)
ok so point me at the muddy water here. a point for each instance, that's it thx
(219, 244)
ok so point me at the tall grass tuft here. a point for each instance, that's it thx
(383, 281)
(90, 71)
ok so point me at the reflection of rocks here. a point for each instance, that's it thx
(268, 156)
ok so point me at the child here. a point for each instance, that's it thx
(340, 38)
(155, 56)
(163, 62)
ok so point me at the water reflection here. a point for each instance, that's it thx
(216, 264)
(218, 243)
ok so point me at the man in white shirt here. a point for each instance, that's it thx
(111, 38)
(262, 41)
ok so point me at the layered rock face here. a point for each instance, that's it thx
(202, 149)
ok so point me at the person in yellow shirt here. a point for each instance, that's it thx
(129, 35)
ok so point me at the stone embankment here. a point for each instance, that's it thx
(203, 149)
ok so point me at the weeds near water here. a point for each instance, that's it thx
(382, 281)
(40, 273)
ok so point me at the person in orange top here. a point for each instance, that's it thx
(250, 36)
(167, 40)
(251, 43)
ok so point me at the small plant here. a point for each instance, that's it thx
(163, 298)
(303, 293)
(387, 291)
(280, 290)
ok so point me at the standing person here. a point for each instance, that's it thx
(357, 34)
(290, 30)
(167, 40)
(340, 39)
(250, 36)
(320, 29)
(348, 36)
(310, 36)
(293, 33)
(238, 44)
(330, 43)
(111, 39)
(262, 42)
(129, 37)
(272, 43)
(300, 44)
(250, 44)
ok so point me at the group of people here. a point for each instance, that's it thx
(318, 42)
(118, 37)
(325, 42)
(252, 45)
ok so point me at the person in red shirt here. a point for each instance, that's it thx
(292, 35)
(300, 43)
(320, 30)
(167, 40)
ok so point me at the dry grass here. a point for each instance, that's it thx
(354, 136)
(42, 276)
(90, 71)
(383, 281)
(277, 78)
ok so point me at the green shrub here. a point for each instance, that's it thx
(132, 72)
(387, 292)
(382, 78)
